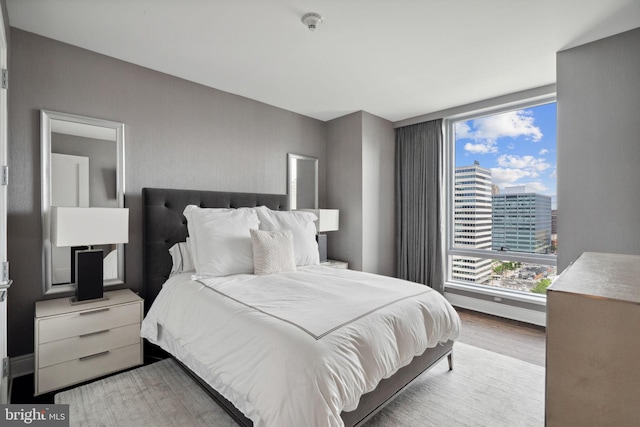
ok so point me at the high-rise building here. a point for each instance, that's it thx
(554, 230)
(521, 221)
(472, 222)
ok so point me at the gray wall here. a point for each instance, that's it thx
(344, 187)
(599, 147)
(378, 198)
(305, 185)
(103, 165)
(178, 135)
(360, 182)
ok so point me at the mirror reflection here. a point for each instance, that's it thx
(82, 167)
(302, 172)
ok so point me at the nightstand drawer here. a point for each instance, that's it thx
(85, 322)
(78, 370)
(67, 349)
(75, 343)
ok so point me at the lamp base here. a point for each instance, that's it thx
(75, 249)
(322, 247)
(89, 275)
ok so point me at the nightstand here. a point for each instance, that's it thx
(78, 342)
(335, 264)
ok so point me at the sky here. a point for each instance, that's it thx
(519, 147)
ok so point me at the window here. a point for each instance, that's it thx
(502, 198)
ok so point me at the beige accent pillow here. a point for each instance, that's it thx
(272, 251)
(301, 225)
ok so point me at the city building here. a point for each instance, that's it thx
(472, 222)
(521, 221)
(554, 230)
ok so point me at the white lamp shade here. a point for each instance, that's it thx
(71, 226)
(328, 219)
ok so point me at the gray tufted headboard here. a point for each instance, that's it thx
(164, 224)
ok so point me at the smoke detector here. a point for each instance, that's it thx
(312, 20)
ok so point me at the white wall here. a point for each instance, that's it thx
(599, 147)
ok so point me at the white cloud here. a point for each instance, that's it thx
(505, 176)
(543, 152)
(535, 186)
(528, 163)
(486, 131)
(481, 147)
(463, 130)
(515, 168)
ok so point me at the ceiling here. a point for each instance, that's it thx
(395, 59)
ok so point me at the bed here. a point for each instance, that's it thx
(165, 225)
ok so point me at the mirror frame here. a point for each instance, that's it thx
(46, 116)
(291, 158)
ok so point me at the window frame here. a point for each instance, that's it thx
(449, 180)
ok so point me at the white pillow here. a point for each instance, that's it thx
(272, 251)
(301, 224)
(220, 240)
(190, 241)
(181, 257)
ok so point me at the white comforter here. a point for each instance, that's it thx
(296, 349)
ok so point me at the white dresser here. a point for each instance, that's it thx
(79, 342)
(593, 343)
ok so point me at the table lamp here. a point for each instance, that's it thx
(328, 220)
(73, 227)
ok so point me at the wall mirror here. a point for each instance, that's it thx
(302, 177)
(82, 165)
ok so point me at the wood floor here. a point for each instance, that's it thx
(508, 337)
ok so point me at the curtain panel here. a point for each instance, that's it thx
(419, 194)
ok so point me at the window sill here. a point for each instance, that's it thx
(497, 302)
(538, 299)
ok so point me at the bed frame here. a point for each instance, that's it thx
(164, 225)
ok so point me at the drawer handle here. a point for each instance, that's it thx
(83, 313)
(93, 333)
(104, 353)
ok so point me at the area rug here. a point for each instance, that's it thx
(484, 389)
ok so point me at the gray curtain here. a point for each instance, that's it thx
(419, 189)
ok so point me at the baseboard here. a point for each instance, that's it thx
(21, 365)
(500, 309)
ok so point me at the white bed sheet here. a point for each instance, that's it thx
(269, 364)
